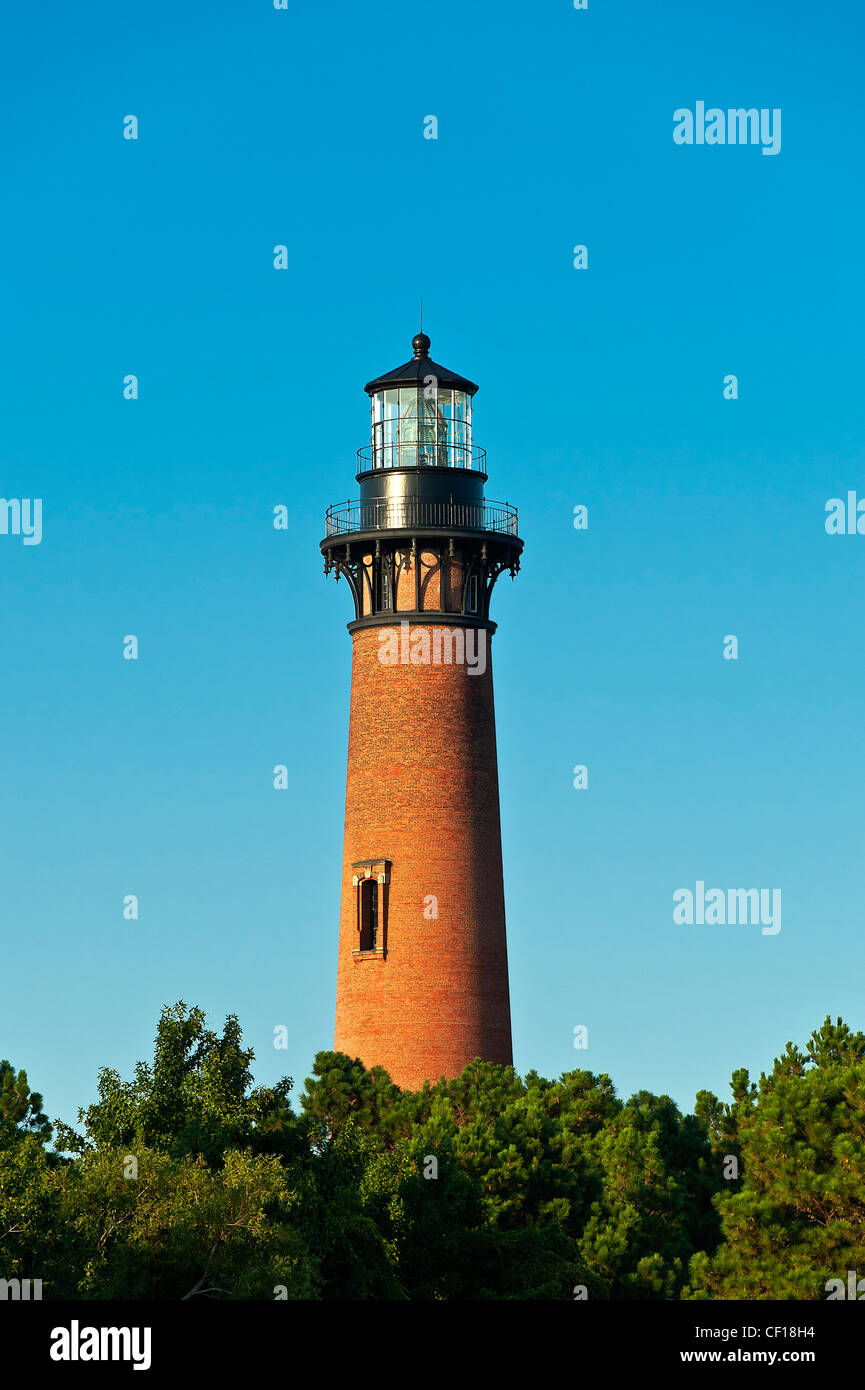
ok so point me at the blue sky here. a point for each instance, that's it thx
(600, 387)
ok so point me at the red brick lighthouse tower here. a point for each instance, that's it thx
(422, 977)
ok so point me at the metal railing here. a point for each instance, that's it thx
(410, 514)
(417, 454)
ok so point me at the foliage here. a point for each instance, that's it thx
(195, 1099)
(797, 1219)
(190, 1182)
(20, 1108)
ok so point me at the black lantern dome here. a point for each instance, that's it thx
(418, 368)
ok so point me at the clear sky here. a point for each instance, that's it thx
(602, 387)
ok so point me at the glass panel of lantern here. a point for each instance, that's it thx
(460, 431)
(375, 428)
(390, 425)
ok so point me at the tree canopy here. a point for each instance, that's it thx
(188, 1181)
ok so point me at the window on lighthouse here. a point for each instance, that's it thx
(384, 587)
(368, 914)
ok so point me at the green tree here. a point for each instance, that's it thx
(798, 1218)
(20, 1108)
(34, 1243)
(342, 1090)
(195, 1099)
(168, 1228)
(655, 1207)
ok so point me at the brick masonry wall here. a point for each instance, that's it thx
(422, 792)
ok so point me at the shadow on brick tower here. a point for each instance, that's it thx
(422, 976)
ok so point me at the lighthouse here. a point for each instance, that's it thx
(422, 972)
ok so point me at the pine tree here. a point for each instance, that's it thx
(798, 1219)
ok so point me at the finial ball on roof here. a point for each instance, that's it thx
(421, 345)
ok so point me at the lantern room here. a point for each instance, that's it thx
(421, 416)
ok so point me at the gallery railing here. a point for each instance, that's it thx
(413, 453)
(411, 514)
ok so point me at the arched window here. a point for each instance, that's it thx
(368, 889)
(371, 878)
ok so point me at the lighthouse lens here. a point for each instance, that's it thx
(423, 431)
